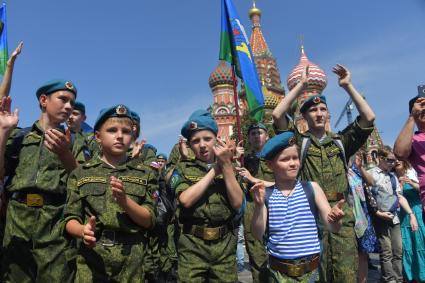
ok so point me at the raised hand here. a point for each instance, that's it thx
(240, 151)
(223, 153)
(258, 191)
(15, 53)
(88, 233)
(57, 141)
(244, 173)
(358, 160)
(118, 190)
(8, 120)
(344, 75)
(336, 212)
(184, 152)
(304, 76)
(137, 148)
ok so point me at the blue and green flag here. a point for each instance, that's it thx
(4, 55)
(235, 49)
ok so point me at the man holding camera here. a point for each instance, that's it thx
(410, 145)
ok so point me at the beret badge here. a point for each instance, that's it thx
(69, 85)
(193, 125)
(121, 110)
(291, 141)
(316, 100)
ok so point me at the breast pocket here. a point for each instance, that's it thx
(94, 196)
(136, 192)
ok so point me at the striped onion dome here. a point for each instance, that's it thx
(222, 75)
(317, 79)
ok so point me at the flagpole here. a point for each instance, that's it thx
(238, 117)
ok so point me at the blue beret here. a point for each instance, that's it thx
(136, 117)
(199, 120)
(114, 111)
(257, 126)
(276, 144)
(161, 156)
(315, 99)
(55, 85)
(80, 107)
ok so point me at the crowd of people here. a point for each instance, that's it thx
(106, 207)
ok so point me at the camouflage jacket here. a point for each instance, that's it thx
(89, 193)
(213, 208)
(34, 166)
(323, 163)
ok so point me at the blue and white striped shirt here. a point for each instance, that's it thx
(292, 227)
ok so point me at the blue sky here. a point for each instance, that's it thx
(156, 56)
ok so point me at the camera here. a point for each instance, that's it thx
(421, 90)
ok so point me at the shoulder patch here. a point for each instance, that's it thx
(91, 179)
(175, 179)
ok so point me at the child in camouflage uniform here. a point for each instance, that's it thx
(209, 197)
(110, 205)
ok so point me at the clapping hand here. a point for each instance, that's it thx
(118, 190)
(15, 53)
(137, 148)
(56, 141)
(258, 193)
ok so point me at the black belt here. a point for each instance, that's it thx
(110, 238)
(39, 199)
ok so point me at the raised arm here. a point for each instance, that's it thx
(7, 78)
(8, 121)
(259, 219)
(367, 117)
(279, 113)
(403, 143)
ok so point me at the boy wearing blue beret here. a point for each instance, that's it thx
(37, 161)
(209, 197)
(110, 205)
(80, 139)
(287, 211)
(323, 160)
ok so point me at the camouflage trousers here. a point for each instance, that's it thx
(277, 277)
(151, 262)
(339, 257)
(119, 263)
(34, 248)
(256, 250)
(207, 261)
(168, 258)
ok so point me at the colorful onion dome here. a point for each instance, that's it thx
(317, 79)
(222, 75)
(271, 100)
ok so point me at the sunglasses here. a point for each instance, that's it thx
(390, 160)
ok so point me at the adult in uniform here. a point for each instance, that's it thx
(209, 197)
(37, 163)
(324, 163)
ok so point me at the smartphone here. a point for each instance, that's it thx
(421, 90)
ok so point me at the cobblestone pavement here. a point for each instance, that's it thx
(373, 276)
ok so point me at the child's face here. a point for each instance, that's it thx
(286, 164)
(115, 136)
(58, 105)
(202, 143)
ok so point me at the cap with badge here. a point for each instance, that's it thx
(161, 156)
(56, 85)
(257, 126)
(80, 107)
(114, 111)
(276, 144)
(313, 100)
(421, 93)
(199, 120)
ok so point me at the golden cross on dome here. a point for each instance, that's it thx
(253, 4)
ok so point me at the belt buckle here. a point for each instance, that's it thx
(295, 270)
(107, 239)
(211, 233)
(35, 200)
